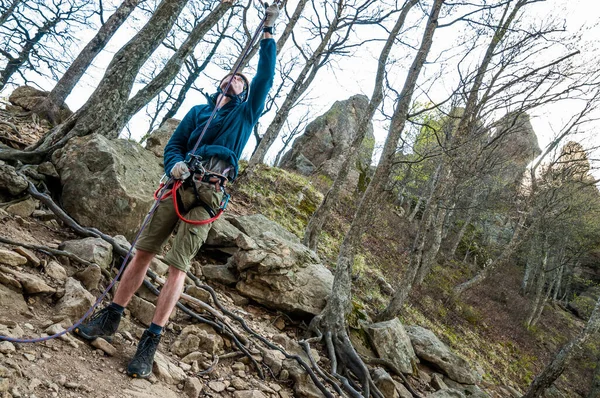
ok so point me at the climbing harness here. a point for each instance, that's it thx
(160, 194)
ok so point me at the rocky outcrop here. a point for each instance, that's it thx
(107, 184)
(584, 304)
(269, 265)
(429, 348)
(392, 343)
(323, 146)
(10, 181)
(157, 140)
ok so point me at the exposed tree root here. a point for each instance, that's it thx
(217, 323)
(12, 127)
(345, 361)
(394, 369)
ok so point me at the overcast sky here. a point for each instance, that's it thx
(355, 74)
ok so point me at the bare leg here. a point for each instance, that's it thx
(169, 295)
(133, 277)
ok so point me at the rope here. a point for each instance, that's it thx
(150, 213)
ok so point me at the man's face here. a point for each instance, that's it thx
(237, 84)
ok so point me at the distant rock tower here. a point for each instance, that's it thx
(325, 143)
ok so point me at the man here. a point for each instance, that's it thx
(220, 148)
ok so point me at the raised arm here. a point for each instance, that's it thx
(265, 74)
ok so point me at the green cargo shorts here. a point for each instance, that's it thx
(189, 237)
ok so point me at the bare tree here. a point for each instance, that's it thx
(555, 368)
(49, 108)
(317, 220)
(333, 38)
(34, 35)
(7, 11)
(332, 321)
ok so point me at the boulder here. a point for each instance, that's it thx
(392, 343)
(11, 302)
(222, 234)
(283, 275)
(24, 208)
(197, 338)
(90, 277)
(10, 181)
(385, 383)
(167, 371)
(76, 300)
(56, 271)
(449, 393)
(325, 143)
(304, 387)
(33, 284)
(112, 178)
(31, 257)
(12, 258)
(193, 387)
(255, 224)
(469, 390)
(28, 98)
(584, 304)
(142, 310)
(157, 140)
(249, 394)
(220, 273)
(94, 250)
(429, 348)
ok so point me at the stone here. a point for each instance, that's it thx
(114, 178)
(94, 250)
(222, 234)
(193, 387)
(11, 181)
(90, 277)
(469, 390)
(274, 359)
(303, 384)
(33, 284)
(32, 259)
(24, 208)
(28, 98)
(449, 393)
(239, 383)
(429, 348)
(76, 300)
(105, 346)
(44, 215)
(11, 258)
(219, 273)
(283, 275)
(255, 224)
(10, 281)
(238, 300)
(167, 371)
(384, 383)
(325, 143)
(392, 343)
(159, 267)
(583, 304)
(217, 386)
(157, 140)
(48, 169)
(58, 328)
(4, 384)
(56, 271)
(437, 382)
(142, 310)
(515, 393)
(197, 338)
(402, 391)
(6, 347)
(249, 394)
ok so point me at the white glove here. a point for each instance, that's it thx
(180, 171)
(272, 14)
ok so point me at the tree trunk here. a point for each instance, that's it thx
(508, 251)
(553, 371)
(301, 84)
(100, 112)
(541, 280)
(413, 214)
(595, 386)
(434, 247)
(460, 234)
(14, 63)
(9, 11)
(169, 72)
(317, 220)
(50, 107)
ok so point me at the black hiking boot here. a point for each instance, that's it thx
(141, 364)
(103, 323)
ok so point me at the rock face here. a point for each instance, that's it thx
(429, 348)
(112, 178)
(323, 145)
(280, 273)
(392, 343)
(157, 140)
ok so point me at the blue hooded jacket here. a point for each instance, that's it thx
(232, 125)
